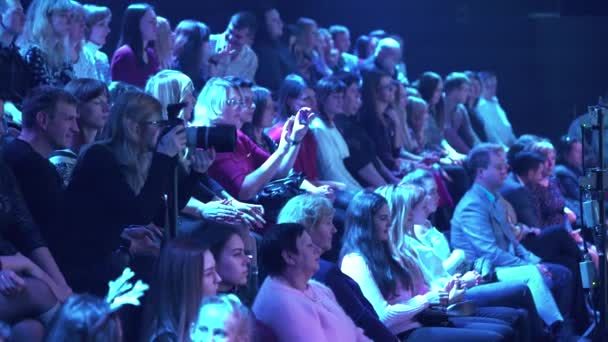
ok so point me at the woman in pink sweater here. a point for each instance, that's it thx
(295, 307)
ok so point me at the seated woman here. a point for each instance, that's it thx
(191, 45)
(97, 19)
(120, 182)
(135, 60)
(331, 148)
(223, 317)
(82, 60)
(505, 300)
(31, 285)
(263, 116)
(209, 199)
(568, 171)
(187, 271)
(45, 42)
(294, 94)
(395, 286)
(316, 213)
(288, 294)
(244, 172)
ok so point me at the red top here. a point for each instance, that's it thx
(230, 169)
(126, 68)
(306, 160)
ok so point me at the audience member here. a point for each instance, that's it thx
(82, 60)
(224, 318)
(164, 44)
(97, 21)
(263, 117)
(341, 37)
(135, 60)
(93, 110)
(496, 123)
(331, 147)
(231, 53)
(191, 45)
(45, 41)
(316, 213)
(481, 229)
(288, 294)
(395, 287)
(457, 125)
(49, 124)
(363, 49)
(120, 182)
(569, 170)
(275, 58)
(387, 55)
(186, 273)
(471, 105)
(309, 64)
(16, 75)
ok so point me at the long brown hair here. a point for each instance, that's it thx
(177, 292)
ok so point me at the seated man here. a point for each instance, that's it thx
(49, 123)
(495, 121)
(480, 228)
(386, 57)
(341, 36)
(231, 51)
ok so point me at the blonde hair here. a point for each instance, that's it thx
(230, 304)
(134, 157)
(79, 12)
(169, 87)
(38, 31)
(543, 146)
(211, 101)
(307, 210)
(164, 42)
(401, 200)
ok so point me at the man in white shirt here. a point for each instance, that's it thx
(231, 53)
(496, 124)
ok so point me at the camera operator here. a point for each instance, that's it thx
(119, 183)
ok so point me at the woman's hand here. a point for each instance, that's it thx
(300, 124)
(252, 214)
(201, 159)
(220, 211)
(172, 142)
(10, 283)
(438, 297)
(470, 279)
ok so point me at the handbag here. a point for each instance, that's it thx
(275, 194)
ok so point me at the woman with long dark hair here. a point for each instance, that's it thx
(186, 274)
(191, 42)
(395, 286)
(263, 116)
(135, 59)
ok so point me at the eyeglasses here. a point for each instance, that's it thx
(235, 103)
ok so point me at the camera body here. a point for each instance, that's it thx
(221, 137)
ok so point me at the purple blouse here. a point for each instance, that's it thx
(126, 68)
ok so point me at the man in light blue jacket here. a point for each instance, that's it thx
(480, 227)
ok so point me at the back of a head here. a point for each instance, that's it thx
(244, 20)
(131, 105)
(179, 273)
(211, 101)
(334, 30)
(279, 238)
(417, 177)
(85, 318)
(306, 210)
(169, 87)
(526, 161)
(190, 35)
(454, 81)
(564, 146)
(359, 221)
(43, 99)
(385, 45)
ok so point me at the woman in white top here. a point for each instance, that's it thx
(395, 287)
(97, 19)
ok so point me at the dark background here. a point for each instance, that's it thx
(550, 55)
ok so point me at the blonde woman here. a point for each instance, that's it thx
(83, 60)
(45, 41)
(165, 42)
